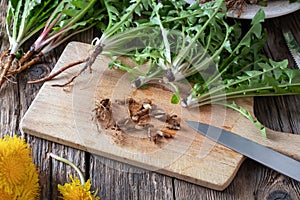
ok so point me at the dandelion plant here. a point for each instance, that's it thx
(120, 15)
(183, 55)
(222, 63)
(69, 18)
(24, 19)
(197, 44)
(59, 20)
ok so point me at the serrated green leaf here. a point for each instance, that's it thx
(248, 115)
(259, 17)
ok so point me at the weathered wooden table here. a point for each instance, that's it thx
(115, 180)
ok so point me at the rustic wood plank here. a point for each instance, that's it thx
(116, 180)
(8, 93)
(253, 181)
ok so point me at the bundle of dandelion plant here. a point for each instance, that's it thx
(119, 18)
(219, 60)
(24, 19)
(197, 44)
(59, 20)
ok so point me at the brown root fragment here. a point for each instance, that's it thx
(27, 55)
(6, 68)
(166, 132)
(89, 61)
(27, 65)
(142, 112)
(139, 111)
(65, 84)
(104, 112)
(3, 57)
(141, 117)
(50, 77)
(163, 133)
(173, 122)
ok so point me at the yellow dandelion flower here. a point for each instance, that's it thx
(30, 189)
(76, 191)
(18, 175)
(11, 172)
(14, 158)
(5, 195)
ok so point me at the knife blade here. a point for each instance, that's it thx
(264, 155)
(293, 46)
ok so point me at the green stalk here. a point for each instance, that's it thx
(109, 32)
(13, 39)
(43, 39)
(218, 89)
(81, 177)
(196, 37)
(32, 21)
(206, 62)
(23, 22)
(53, 34)
(112, 29)
(240, 94)
(233, 90)
(164, 32)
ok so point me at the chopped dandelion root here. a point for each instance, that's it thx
(139, 116)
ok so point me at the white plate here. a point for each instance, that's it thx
(274, 9)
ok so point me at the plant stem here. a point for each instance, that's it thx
(82, 181)
(111, 30)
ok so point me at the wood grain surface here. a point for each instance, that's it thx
(65, 115)
(116, 180)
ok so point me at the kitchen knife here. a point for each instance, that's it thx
(264, 155)
(293, 46)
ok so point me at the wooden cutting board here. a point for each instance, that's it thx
(66, 115)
